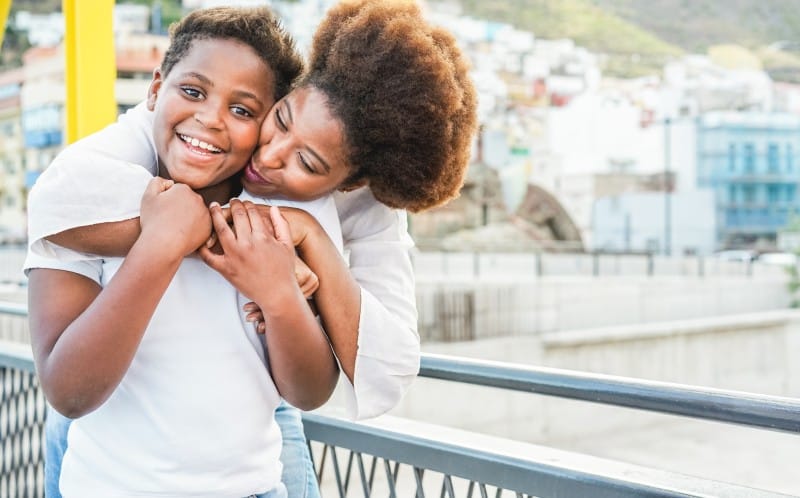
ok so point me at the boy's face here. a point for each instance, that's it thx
(302, 152)
(208, 111)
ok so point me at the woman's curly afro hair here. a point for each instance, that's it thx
(401, 89)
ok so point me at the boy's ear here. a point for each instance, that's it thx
(152, 91)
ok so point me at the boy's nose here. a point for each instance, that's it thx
(208, 119)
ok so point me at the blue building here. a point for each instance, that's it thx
(750, 160)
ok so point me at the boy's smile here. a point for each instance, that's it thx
(208, 111)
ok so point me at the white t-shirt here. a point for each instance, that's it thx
(193, 415)
(375, 239)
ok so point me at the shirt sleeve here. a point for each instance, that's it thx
(377, 242)
(91, 268)
(82, 188)
(100, 178)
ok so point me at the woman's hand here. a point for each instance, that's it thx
(174, 217)
(257, 256)
(306, 279)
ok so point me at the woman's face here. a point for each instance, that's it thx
(302, 153)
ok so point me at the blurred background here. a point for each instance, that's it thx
(631, 207)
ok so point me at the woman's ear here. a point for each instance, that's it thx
(152, 90)
(352, 185)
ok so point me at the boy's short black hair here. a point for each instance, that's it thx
(257, 27)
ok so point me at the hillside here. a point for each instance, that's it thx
(658, 30)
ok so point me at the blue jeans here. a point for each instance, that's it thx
(298, 470)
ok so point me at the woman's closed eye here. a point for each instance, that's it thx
(279, 121)
(306, 164)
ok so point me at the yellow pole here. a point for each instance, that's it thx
(5, 7)
(90, 68)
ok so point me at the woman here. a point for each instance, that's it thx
(357, 46)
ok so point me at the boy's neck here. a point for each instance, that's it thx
(221, 192)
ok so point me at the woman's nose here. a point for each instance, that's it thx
(269, 156)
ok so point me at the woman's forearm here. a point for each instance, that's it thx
(338, 298)
(105, 239)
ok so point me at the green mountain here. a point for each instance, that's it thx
(640, 35)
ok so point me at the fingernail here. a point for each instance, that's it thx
(214, 204)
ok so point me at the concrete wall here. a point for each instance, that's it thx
(466, 309)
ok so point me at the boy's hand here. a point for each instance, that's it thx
(174, 217)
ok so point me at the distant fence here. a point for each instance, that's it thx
(523, 265)
(528, 265)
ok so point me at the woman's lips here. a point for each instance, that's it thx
(251, 175)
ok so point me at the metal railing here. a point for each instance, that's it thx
(397, 460)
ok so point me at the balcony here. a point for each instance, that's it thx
(397, 457)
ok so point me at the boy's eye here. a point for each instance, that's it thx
(191, 92)
(242, 111)
(279, 120)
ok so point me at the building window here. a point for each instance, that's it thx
(732, 157)
(789, 158)
(732, 194)
(749, 158)
(749, 194)
(773, 193)
(772, 158)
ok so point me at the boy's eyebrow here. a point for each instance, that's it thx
(203, 78)
(310, 150)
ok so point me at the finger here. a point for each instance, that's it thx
(158, 185)
(214, 261)
(261, 328)
(256, 221)
(241, 221)
(282, 231)
(251, 306)
(255, 316)
(223, 232)
(310, 286)
(212, 239)
(226, 212)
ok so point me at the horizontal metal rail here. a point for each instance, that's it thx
(736, 407)
(13, 309)
(534, 471)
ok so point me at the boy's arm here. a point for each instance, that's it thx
(79, 363)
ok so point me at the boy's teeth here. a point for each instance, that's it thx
(199, 143)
